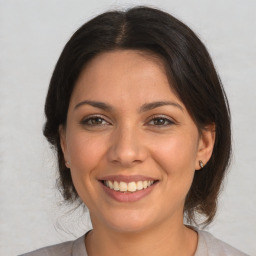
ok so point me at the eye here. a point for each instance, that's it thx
(94, 121)
(160, 121)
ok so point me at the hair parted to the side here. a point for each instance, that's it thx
(191, 74)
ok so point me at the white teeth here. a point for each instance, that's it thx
(110, 184)
(116, 186)
(130, 187)
(139, 185)
(123, 186)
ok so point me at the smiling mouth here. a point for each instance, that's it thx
(132, 186)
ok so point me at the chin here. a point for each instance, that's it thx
(128, 221)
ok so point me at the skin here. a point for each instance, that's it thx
(162, 143)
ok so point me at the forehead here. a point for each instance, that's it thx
(123, 75)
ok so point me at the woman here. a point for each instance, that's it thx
(140, 122)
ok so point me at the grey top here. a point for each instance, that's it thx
(208, 245)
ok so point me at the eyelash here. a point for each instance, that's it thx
(165, 119)
(93, 118)
(88, 121)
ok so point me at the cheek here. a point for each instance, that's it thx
(85, 151)
(85, 154)
(175, 152)
(176, 158)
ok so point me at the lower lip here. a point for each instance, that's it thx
(128, 196)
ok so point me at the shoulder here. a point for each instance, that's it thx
(70, 248)
(211, 246)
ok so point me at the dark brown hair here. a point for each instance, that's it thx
(189, 67)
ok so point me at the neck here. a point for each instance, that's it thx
(161, 240)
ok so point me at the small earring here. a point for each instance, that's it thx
(67, 163)
(201, 164)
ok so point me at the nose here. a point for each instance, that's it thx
(127, 147)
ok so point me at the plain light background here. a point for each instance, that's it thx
(32, 35)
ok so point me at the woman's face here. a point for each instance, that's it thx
(125, 130)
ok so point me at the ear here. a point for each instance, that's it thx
(63, 143)
(205, 145)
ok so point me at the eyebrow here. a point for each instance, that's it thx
(145, 107)
(96, 104)
(149, 106)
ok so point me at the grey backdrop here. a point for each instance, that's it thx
(32, 35)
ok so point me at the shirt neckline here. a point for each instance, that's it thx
(79, 248)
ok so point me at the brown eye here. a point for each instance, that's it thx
(94, 121)
(160, 121)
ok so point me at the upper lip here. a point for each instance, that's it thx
(127, 178)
